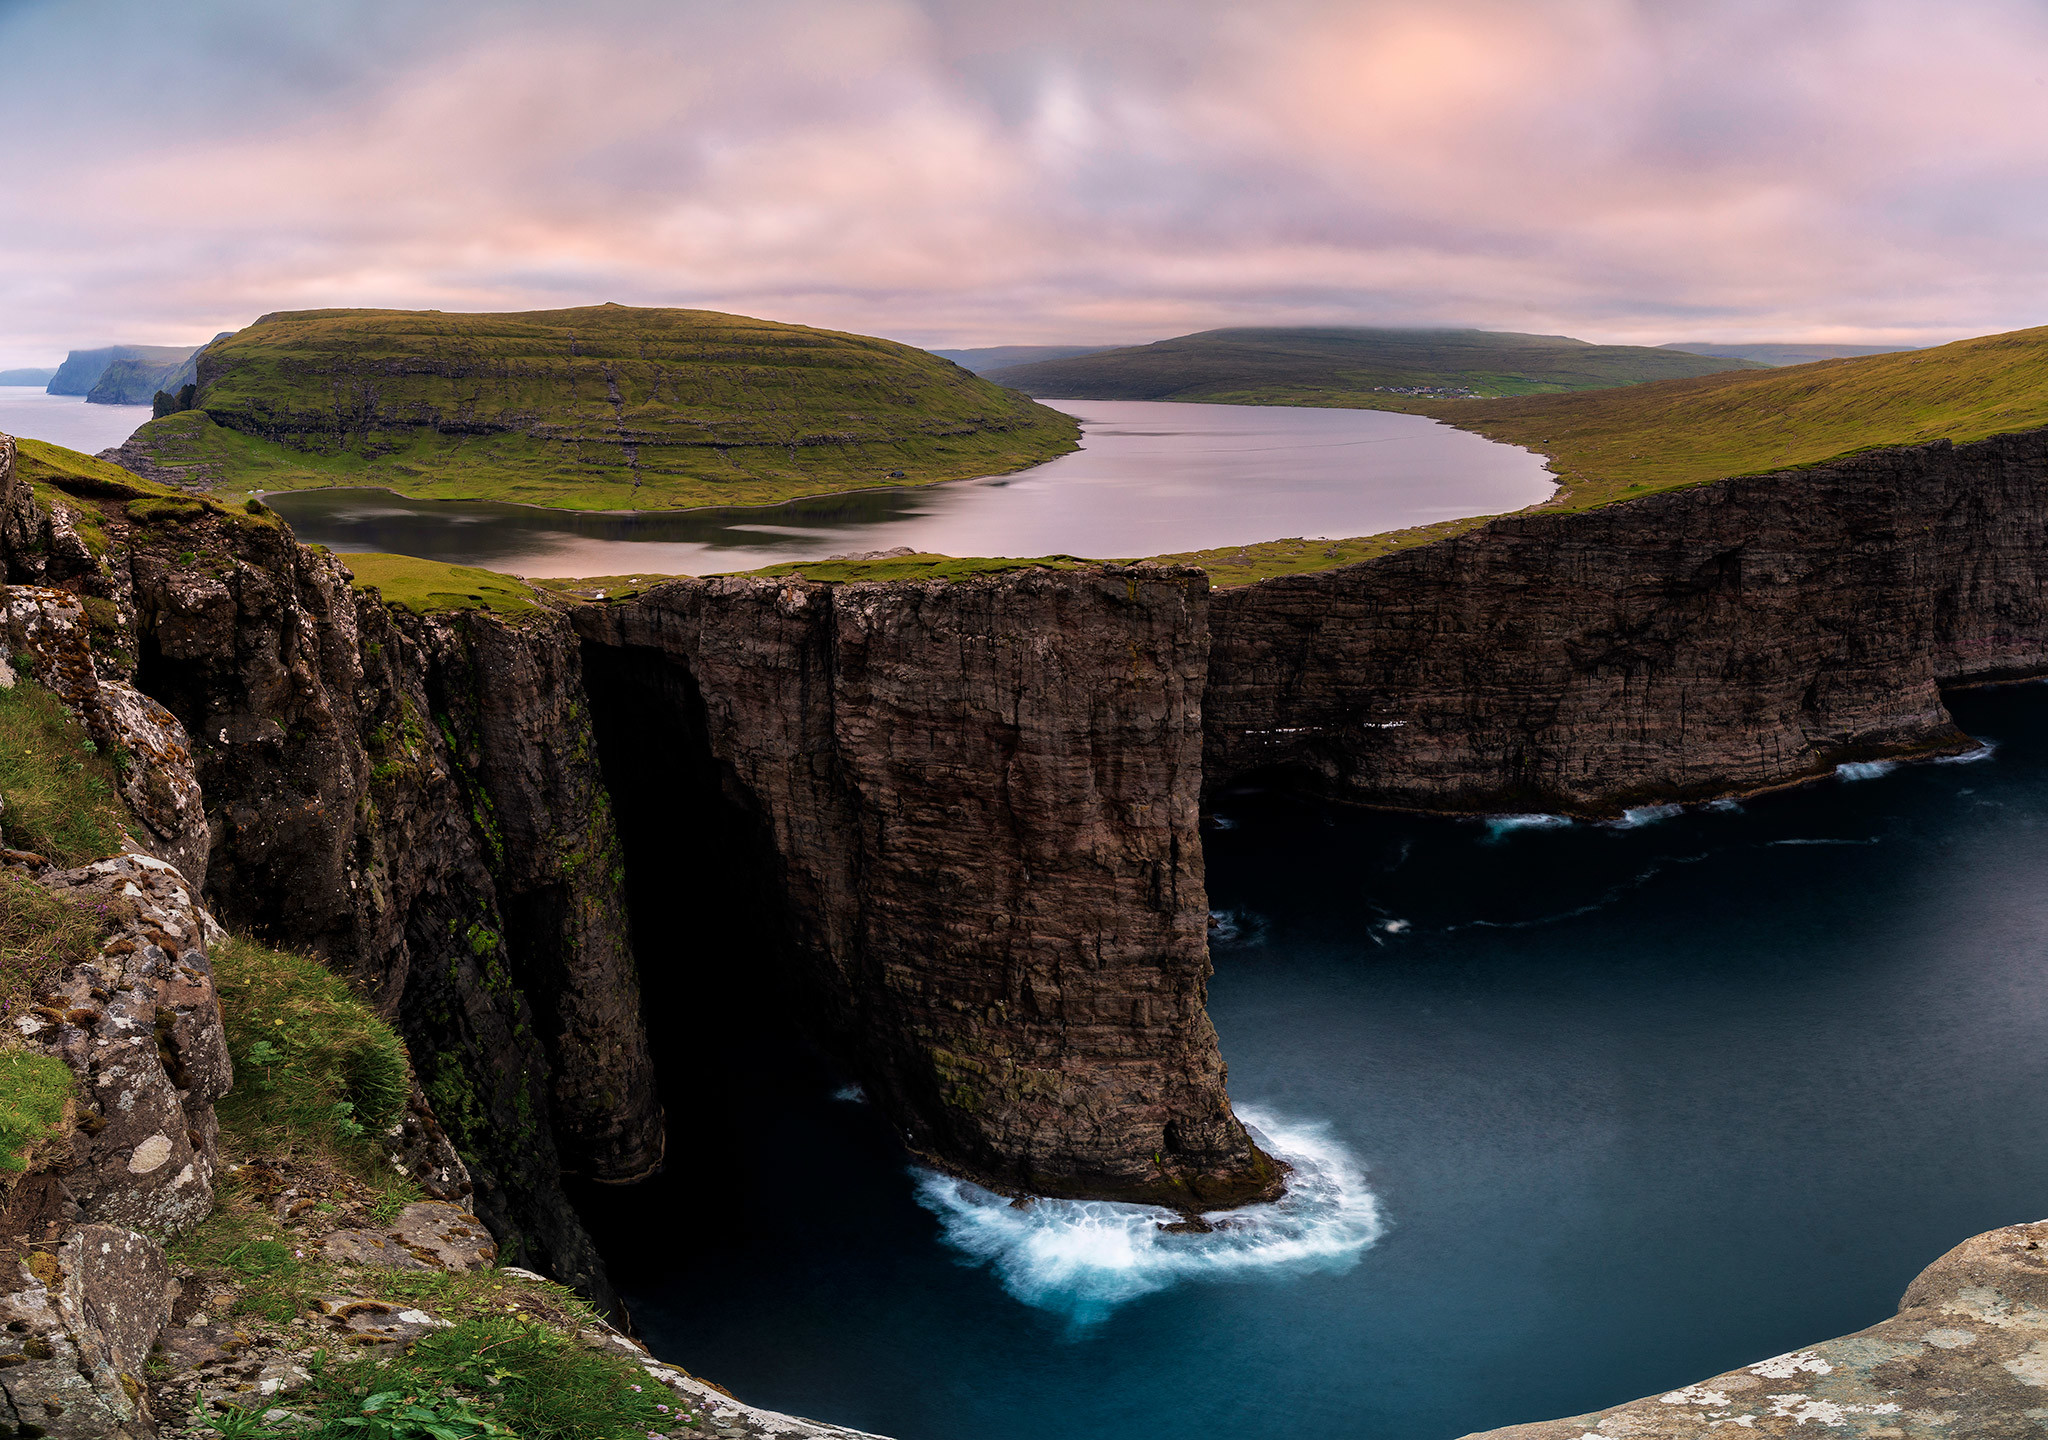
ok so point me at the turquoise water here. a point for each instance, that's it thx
(1620, 1107)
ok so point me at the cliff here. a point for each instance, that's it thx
(1718, 639)
(83, 369)
(339, 747)
(963, 815)
(1967, 1355)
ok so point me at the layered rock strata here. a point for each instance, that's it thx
(974, 808)
(1967, 1355)
(1730, 637)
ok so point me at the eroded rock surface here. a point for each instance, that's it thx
(1728, 637)
(1967, 1355)
(74, 1337)
(975, 807)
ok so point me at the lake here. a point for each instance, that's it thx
(66, 419)
(1150, 479)
(1596, 1111)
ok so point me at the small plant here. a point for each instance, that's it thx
(319, 1067)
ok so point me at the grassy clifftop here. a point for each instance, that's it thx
(1614, 444)
(1342, 367)
(605, 407)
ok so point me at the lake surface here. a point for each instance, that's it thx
(66, 419)
(1150, 479)
(1610, 1109)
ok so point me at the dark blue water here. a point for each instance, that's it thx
(1636, 1105)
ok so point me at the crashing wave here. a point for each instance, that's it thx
(1083, 1258)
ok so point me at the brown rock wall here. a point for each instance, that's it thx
(978, 802)
(1725, 638)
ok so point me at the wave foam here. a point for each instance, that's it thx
(1865, 769)
(1499, 827)
(1646, 815)
(1083, 1258)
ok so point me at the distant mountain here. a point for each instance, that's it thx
(1788, 354)
(1352, 367)
(26, 377)
(996, 357)
(82, 370)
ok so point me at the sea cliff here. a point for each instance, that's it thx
(1714, 640)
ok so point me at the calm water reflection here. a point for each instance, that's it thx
(1150, 479)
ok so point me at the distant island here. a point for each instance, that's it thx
(1373, 368)
(26, 377)
(121, 374)
(606, 407)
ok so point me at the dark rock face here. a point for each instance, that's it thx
(975, 808)
(414, 799)
(1732, 637)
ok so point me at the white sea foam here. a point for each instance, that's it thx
(1647, 815)
(1865, 769)
(1500, 826)
(1083, 1258)
(851, 1095)
(1984, 751)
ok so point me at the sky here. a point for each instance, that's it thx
(955, 173)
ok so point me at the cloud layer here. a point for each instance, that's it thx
(971, 173)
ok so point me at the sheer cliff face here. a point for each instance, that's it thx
(416, 800)
(978, 805)
(1740, 635)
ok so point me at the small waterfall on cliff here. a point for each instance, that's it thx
(1083, 1258)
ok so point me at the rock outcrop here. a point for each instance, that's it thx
(1967, 1355)
(971, 810)
(1730, 637)
(352, 810)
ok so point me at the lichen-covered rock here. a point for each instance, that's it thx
(1966, 1356)
(75, 1333)
(426, 1235)
(139, 1025)
(49, 638)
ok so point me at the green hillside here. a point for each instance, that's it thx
(1612, 444)
(603, 408)
(1367, 368)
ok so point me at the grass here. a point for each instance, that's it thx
(41, 934)
(600, 408)
(430, 586)
(35, 1095)
(1347, 367)
(1619, 444)
(316, 1070)
(1233, 565)
(58, 790)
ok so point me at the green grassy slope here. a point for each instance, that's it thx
(1612, 444)
(1367, 368)
(605, 407)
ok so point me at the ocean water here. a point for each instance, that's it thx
(1584, 1112)
(1150, 479)
(66, 419)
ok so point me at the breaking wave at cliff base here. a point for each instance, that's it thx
(1083, 1258)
